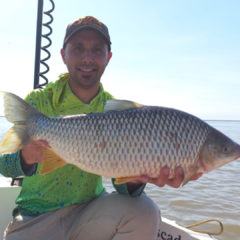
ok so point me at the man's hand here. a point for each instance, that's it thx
(32, 153)
(162, 180)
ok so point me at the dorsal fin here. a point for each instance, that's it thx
(120, 105)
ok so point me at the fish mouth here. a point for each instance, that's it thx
(238, 152)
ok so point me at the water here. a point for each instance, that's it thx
(215, 195)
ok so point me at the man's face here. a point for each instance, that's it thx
(86, 56)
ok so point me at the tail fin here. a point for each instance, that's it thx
(18, 112)
(16, 109)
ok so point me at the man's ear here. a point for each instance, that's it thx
(109, 56)
(63, 55)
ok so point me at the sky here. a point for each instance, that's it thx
(179, 54)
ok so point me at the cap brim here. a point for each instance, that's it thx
(87, 28)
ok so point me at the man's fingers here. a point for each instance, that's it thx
(178, 179)
(43, 143)
(162, 179)
(164, 175)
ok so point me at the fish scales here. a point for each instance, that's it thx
(127, 141)
(143, 140)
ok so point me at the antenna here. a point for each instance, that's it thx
(39, 36)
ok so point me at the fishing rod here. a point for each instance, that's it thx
(39, 37)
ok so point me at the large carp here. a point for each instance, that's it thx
(127, 141)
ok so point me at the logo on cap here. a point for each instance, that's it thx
(88, 20)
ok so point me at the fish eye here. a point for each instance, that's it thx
(224, 149)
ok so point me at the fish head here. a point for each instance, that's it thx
(217, 151)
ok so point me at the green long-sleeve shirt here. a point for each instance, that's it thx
(69, 184)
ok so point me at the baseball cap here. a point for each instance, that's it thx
(87, 23)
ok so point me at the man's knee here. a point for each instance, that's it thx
(140, 214)
(141, 208)
(144, 207)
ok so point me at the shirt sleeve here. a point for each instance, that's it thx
(122, 189)
(10, 166)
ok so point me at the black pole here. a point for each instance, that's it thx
(39, 36)
(38, 44)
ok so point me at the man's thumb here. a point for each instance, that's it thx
(43, 143)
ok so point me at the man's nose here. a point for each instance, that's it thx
(87, 57)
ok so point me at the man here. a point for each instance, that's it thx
(69, 203)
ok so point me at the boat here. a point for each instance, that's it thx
(168, 229)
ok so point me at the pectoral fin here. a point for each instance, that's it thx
(192, 172)
(51, 162)
(125, 179)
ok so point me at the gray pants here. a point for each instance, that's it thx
(110, 216)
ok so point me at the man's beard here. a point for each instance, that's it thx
(86, 86)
